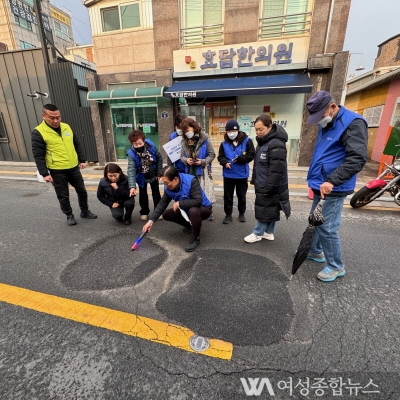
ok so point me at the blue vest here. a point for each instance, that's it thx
(202, 154)
(178, 164)
(329, 153)
(185, 185)
(237, 171)
(138, 161)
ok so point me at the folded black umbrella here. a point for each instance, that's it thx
(314, 219)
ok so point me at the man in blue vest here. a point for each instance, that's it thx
(189, 197)
(339, 154)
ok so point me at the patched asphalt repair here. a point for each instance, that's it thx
(212, 291)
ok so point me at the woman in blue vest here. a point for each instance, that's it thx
(197, 154)
(178, 164)
(113, 191)
(144, 167)
(235, 154)
(270, 178)
(189, 197)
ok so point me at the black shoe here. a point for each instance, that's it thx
(71, 220)
(87, 214)
(127, 222)
(242, 218)
(227, 219)
(192, 245)
(187, 229)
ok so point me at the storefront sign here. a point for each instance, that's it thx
(60, 17)
(244, 56)
(25, 11)
(274, 52)
(124, 125)
(183, 94)
(173, 148)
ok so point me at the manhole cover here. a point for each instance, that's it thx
(199, 343)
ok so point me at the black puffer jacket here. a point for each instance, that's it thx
(270, 177)
(108, 195)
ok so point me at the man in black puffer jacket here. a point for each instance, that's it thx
(269, 178)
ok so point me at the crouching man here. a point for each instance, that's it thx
(189, 197)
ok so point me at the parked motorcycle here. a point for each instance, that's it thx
(378, 186)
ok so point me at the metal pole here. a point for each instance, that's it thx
(41, 31)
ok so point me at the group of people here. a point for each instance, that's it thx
(340, 153)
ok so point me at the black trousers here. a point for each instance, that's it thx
(144, 197)
(241, 190)
(195, 214)
(61, 179)
(128, 205)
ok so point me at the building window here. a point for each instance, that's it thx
(396, 116)
(23, 23)
(284, 18)
(61, 31)
(201, 22)
(123, 16)
(3, 132)
(373, 116)
(25, 45)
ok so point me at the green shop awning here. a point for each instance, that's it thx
(120, 94)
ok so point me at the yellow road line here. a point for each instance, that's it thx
(18, 172)
(101, 317)
(34, 174)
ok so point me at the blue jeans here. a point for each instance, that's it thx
(264, 227)
(326, 237)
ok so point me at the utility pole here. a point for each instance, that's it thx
(42, 34)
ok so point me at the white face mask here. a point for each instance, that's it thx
(179, 132)
(324, 121)
(189, 134)
(232, 135)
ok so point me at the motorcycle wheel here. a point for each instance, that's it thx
(363, 197)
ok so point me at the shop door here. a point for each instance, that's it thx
(220, 114)
(147, 122)
(123, 123)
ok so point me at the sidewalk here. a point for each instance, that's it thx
(26, 171)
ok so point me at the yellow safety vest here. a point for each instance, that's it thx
(60, 150)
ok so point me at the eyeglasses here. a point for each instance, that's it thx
(167, 183)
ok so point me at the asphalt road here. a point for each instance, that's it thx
(231, 292)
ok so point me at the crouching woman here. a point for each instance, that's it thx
(113, 191)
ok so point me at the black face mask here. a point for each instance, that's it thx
(140, 149)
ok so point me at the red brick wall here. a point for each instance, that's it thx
(388, 54)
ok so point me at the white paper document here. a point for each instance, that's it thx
(173, 149)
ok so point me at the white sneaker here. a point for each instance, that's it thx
(252, 238)
(268, 236)
(143, 217)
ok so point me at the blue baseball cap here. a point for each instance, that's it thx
(316, 105)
